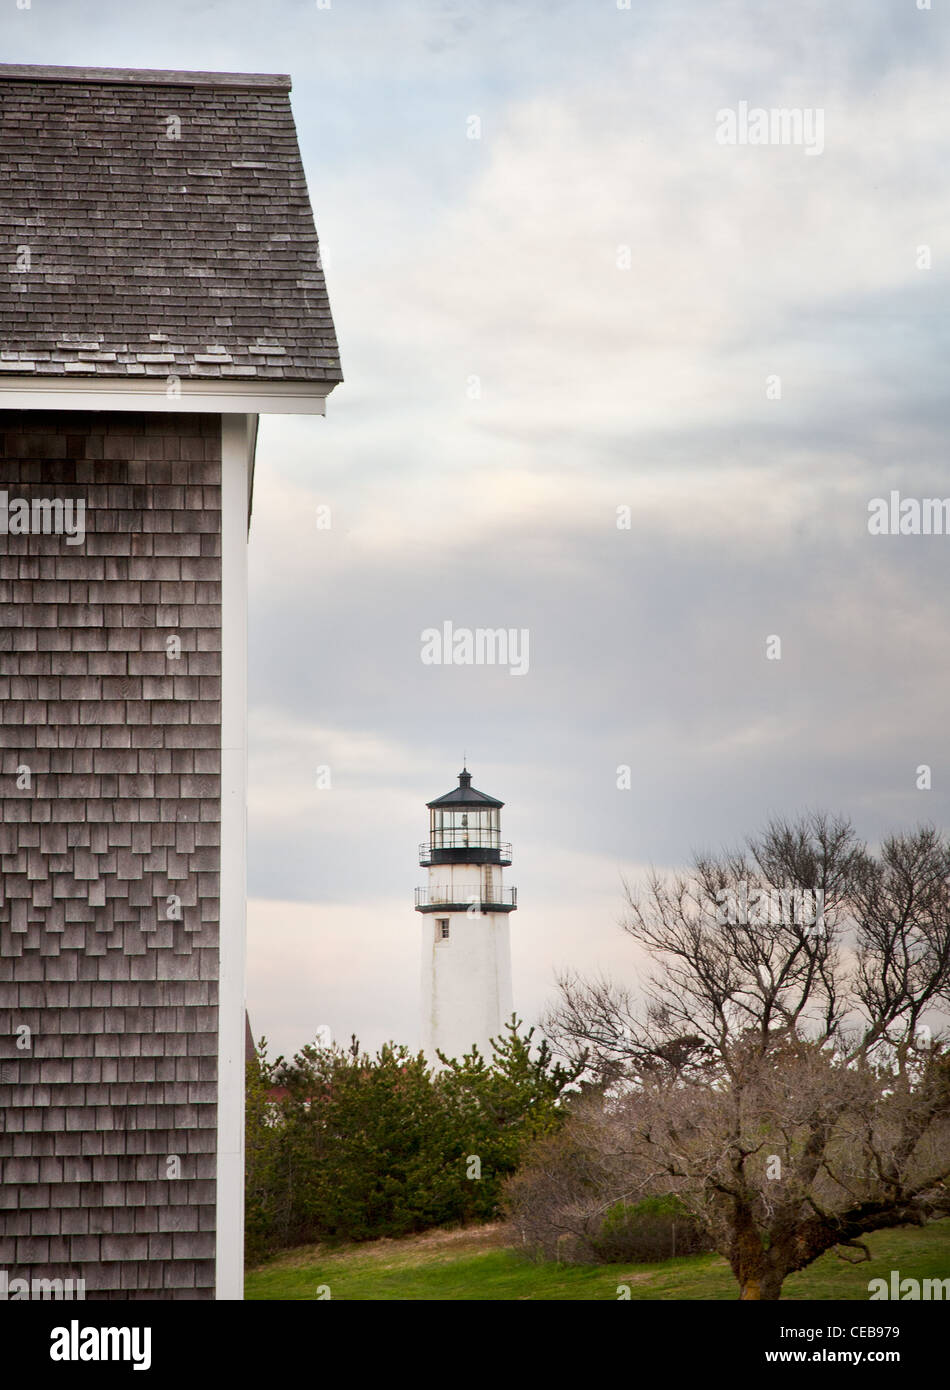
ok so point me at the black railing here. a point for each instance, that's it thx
(499, 899)
(469, 842)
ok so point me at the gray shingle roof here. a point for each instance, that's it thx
(128, 252)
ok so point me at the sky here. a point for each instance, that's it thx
(565, 302)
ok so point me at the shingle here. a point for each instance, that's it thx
(205, 241)
(123, 1069)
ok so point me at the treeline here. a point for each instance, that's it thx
(342, 1145)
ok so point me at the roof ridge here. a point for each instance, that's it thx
(142, 77)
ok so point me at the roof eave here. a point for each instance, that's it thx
(463, 796)
(191, 395)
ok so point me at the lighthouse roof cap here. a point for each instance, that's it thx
(465, 794)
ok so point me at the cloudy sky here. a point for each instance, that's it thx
(593, 306)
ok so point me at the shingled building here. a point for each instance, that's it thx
(162, 289)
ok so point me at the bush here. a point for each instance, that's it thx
(553, 1199)
(570, 1199)
(657, 1228)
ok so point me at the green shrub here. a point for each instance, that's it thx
(656, 1228)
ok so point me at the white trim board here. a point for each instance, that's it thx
(245, 397)
(237, 443)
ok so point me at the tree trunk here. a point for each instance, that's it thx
(758, 1272)
(760, 1284)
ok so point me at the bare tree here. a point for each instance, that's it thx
(784, 1073)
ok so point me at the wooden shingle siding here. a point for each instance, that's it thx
(122, 810)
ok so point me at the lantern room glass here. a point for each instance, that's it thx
(465, 827)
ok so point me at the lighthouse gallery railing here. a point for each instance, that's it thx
(429, 897)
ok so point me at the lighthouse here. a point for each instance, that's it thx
(464, 910)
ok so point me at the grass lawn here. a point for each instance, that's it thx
(473, 1264)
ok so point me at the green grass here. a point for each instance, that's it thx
(473, 1264)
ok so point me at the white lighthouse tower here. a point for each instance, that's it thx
(466, 944)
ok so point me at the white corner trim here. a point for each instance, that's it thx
(245, 397)
(237, 442)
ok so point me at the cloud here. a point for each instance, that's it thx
(509, 386)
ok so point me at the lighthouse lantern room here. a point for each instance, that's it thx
(466, 949)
